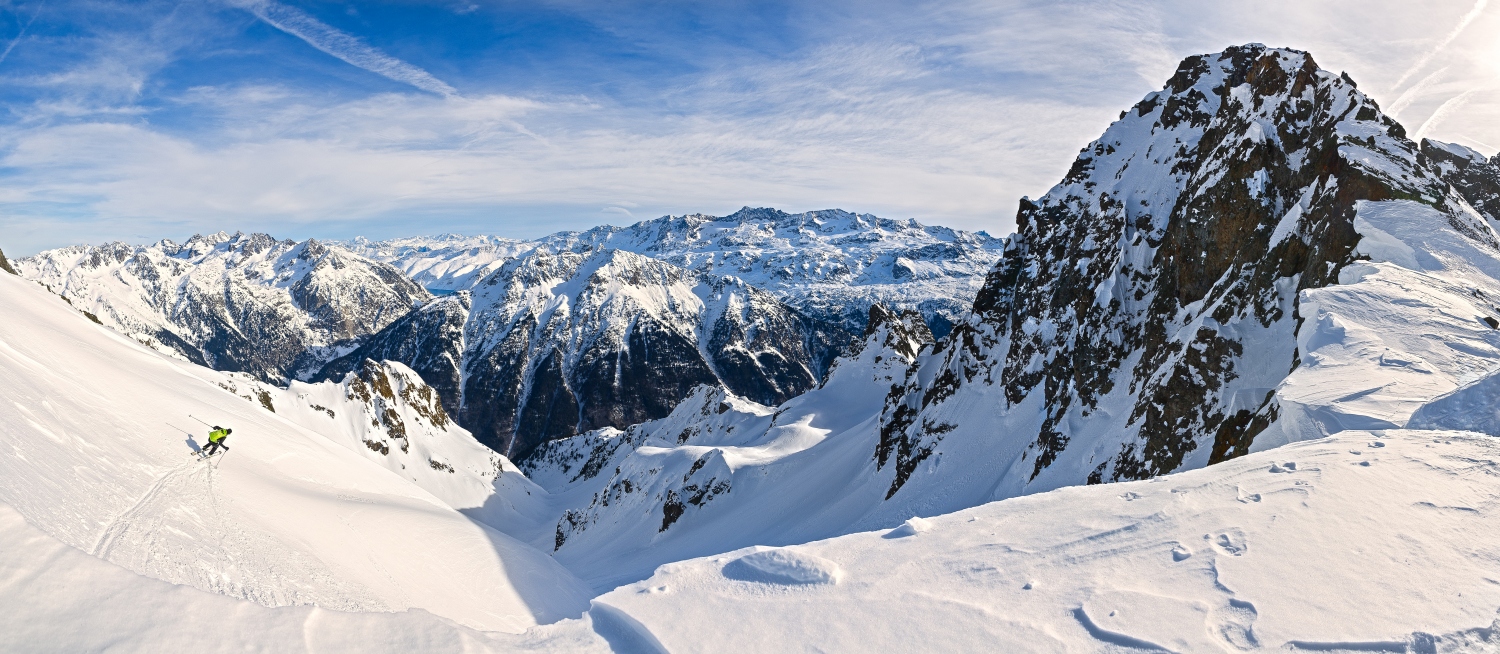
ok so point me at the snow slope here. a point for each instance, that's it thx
(95, 450)
(59, 599)
(1366, 541)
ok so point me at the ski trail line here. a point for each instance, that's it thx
(121, 522)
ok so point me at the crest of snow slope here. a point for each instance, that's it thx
(96, 440)
(1410, 321)
(246, 303)
(556, 343)
(1176, 301)
(1360, 542)
(832, 265)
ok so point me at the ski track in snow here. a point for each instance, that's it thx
(126, 519)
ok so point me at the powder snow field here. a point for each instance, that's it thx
(1365, 541)
(97, 438)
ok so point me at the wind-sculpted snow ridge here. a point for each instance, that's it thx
(832, 265)
(243, 303)
(552, 344)
(1360, 543)
(99, 434)
(1253, 256)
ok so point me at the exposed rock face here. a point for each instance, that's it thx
(243, 303)
(5, 265)
(601, 459)
(553, 344)
(1474, 175)
(430, 340)
(1148, 304)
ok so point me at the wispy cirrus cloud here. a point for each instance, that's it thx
(345, 47)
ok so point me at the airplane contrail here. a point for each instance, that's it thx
(22, 33)
(1442, 112)
(1452, 34)
(343, 46)
(1414, 92)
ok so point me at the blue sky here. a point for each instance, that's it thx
(150, 119)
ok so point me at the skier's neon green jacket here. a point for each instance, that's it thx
(217, 435)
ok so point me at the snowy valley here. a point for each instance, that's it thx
(1230, 386)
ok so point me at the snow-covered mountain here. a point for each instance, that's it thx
(1253, 256)
(245, 303)
(98, 434)
(1471, 173)
(443, 263)
(832, 265)
(552, 344)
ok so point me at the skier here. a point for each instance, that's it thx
(216, 440)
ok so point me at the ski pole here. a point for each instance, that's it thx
(196, 418)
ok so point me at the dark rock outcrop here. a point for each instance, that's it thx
(428, 340)
(1476, 177)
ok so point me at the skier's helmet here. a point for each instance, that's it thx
(228, 432)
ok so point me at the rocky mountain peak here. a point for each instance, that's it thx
(1476, 177)
(1131, 292)
(5, 265)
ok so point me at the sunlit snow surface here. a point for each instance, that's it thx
(96, 440)
(1365, 541)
